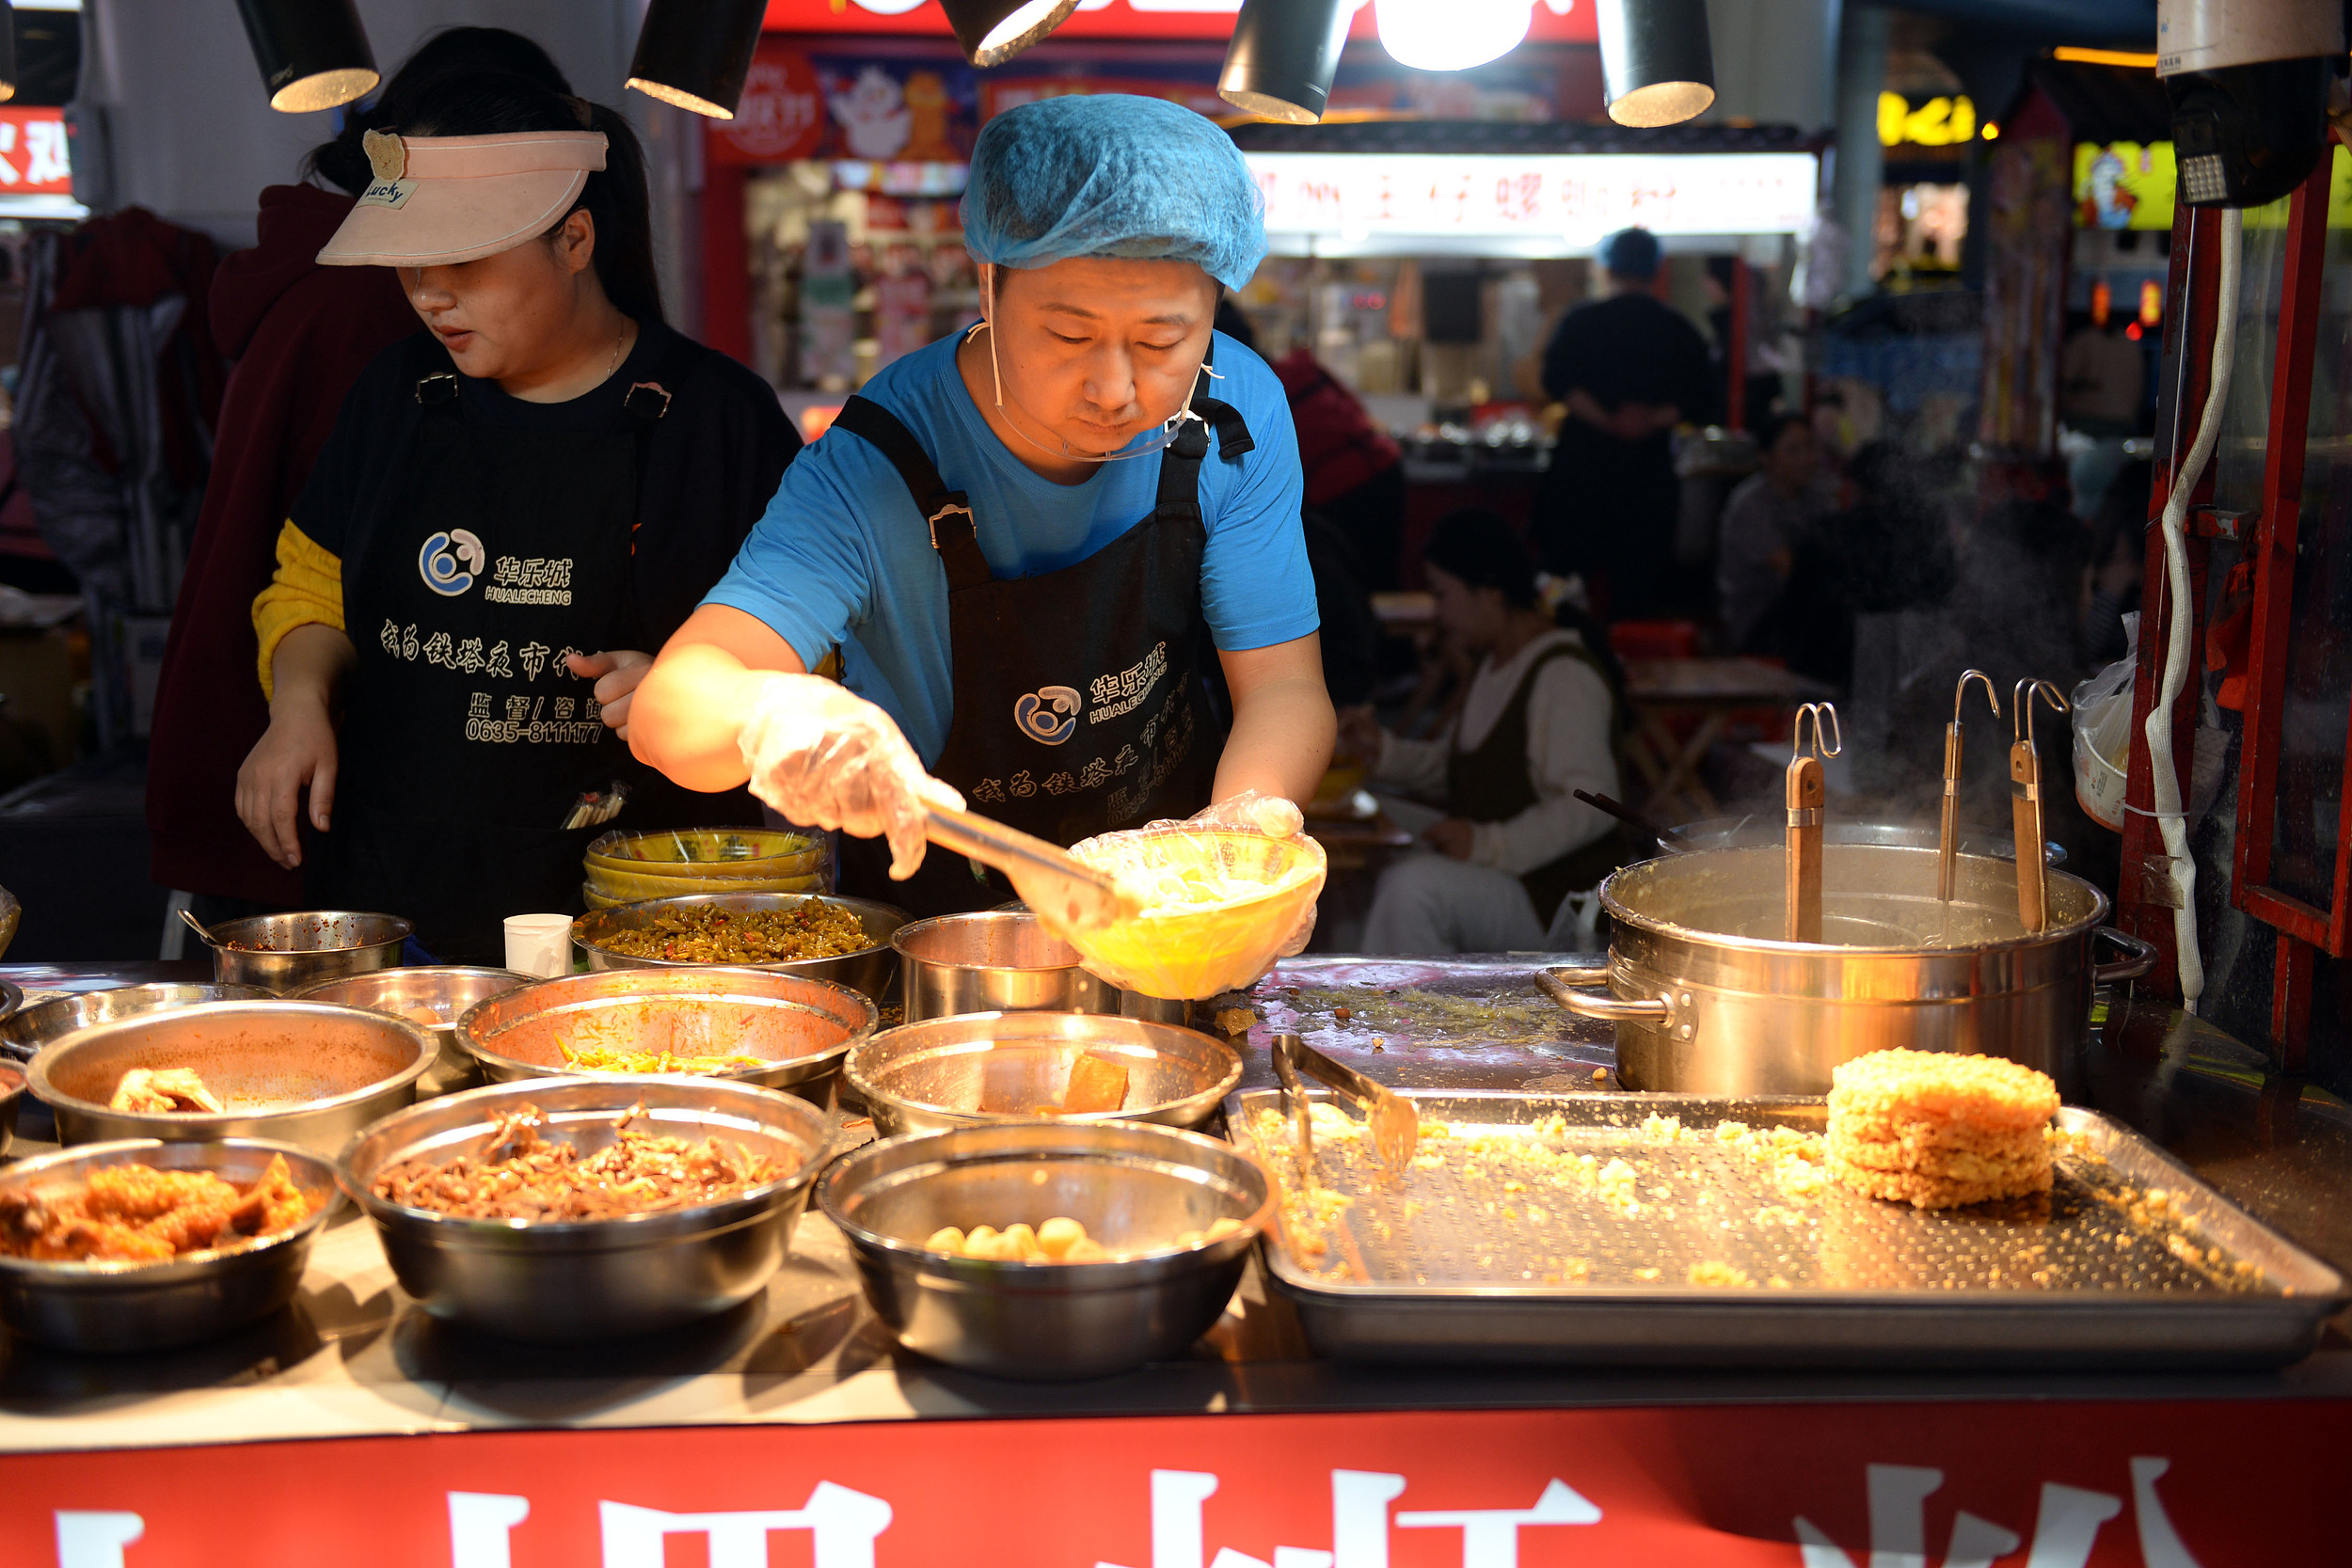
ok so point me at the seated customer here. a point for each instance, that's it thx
(1767, 518)
(1509, 840)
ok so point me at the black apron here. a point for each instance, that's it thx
(464, 740)
(1079, 698)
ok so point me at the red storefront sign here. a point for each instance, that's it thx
(1554, 20)
(2185, 1485)
(33, 153)
(782, 115)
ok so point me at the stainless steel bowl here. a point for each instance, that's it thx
(285, 953)
(434, 998)
(26, 1032)
(939, 1073)
(592, 1279)
(148, 1307)
(871, 969)
(11, 1097)
(11, 999)
(1135, 1189)
(799, 1028)
(1006, 960)
(300, 1071)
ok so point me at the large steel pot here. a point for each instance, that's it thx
(1709, 1000)
(302, 1072)
(1767, 827)
(284, 952)
(1006, 961)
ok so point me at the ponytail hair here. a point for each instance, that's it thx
(502, 103)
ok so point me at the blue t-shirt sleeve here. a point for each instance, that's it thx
(1255, 584)
(808, 569)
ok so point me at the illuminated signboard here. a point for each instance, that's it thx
(1937, 122)
(1553, 22)
(2123, 185)
(1560, 204)
(36, 172)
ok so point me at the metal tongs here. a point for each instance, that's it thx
(1948, 848)
(2025, 801)
(1394, 1125)
(1055, 884)
(1808, 789)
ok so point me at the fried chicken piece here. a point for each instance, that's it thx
(157, 1090)
(137, 1213)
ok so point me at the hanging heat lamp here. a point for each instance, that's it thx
(1450, 35)
(697, 54)
(1284, 55)
(314, 54)
(1657, 65)
(990, 32)
(7, 52)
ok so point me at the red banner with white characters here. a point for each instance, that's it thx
(33, 153)
(1553, 22)
(2203, 1484)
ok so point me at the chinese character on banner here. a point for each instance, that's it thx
(782, 115)
(33, 153)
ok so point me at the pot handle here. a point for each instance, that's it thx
(1559, 985)
(2140, 957)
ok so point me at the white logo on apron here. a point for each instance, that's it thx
(449, 562)
(1047, 714)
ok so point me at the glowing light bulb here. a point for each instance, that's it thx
(1450, 35)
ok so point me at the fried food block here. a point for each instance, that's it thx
(163, 1090)
(1096, 1084)
(1938, 1130)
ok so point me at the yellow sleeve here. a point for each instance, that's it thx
(305, 589)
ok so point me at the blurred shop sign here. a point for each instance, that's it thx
(1936, 122)
(1554, 20)
(36, 166)
(1556, 204)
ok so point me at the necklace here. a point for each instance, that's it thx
(618, 338)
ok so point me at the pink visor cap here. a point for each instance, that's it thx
(438, 200)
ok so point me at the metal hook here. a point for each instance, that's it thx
(1814, 710)
(2021, 716)
(1962, 690)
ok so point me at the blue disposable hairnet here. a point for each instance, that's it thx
(1110, 174)
(1630, 253)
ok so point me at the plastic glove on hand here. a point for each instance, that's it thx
(825, 757)
(1275, 817)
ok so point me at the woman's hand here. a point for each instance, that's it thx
(297, 751)
(617, 675)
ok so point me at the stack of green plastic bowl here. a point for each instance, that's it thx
(624, 867)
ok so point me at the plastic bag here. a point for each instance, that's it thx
(2102, 734)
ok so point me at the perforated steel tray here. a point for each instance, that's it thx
(1699, 1253)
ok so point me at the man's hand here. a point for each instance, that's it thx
(1450, 838)
(617, 675)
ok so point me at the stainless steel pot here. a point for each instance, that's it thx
(869, 969)
(283, 952)
(1707, 1000)
(594, 1279)
(799, 1028)
(301, 1072)
(1137, 1189)
(1005, 961)
(177, 1300)
(1766, 828)
(25, 1033)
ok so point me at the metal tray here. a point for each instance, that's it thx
(1451, 1264)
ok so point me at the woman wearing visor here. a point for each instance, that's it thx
(1030, 541)
(514, 505)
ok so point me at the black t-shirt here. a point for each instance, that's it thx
(1631, 348)
(710, 462)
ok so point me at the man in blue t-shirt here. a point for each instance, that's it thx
(1030, 541)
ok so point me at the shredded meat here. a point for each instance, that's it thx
(137, 1213)
(167, 1089)
(521, 1175)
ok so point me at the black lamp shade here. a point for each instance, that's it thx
(990, 32)
(697, 54)
(1283, 58)
(7, 52)
(314, 54)
(1657, 64)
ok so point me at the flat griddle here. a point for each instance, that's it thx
(1704, 1256)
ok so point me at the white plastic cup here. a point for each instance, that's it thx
(539, 944)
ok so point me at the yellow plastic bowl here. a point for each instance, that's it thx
(625, 887)
(1182, 951)
(731, 853)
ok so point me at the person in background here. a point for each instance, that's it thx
(512, 510)
(1509, 840)
(1629, 367)
(1355, 471)
(1769, 513)
(301, 333)
(2103, 380)
(2118, 558)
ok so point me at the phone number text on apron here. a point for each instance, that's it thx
(528, 719)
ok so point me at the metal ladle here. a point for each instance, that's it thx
(1050, 879)
(2025, 791)
(197, 927)
(1807, 792)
